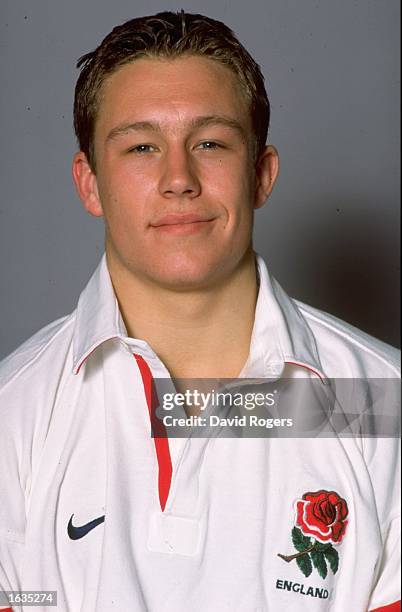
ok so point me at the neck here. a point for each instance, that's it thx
(197, 334)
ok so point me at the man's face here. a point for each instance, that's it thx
(175, 177)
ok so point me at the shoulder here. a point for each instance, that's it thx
(346, 351)
(30, 379)
(41, 352)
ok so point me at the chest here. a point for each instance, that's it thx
(248, 524)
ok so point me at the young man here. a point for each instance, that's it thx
(171, 116)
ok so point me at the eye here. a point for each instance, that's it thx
(142, 148)
(210, 145)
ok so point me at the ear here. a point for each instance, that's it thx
(86, 185)
(267, 170)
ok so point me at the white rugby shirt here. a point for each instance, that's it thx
(189, 524)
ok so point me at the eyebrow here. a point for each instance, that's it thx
(198, 122)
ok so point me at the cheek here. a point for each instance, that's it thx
(125, 201)
(235, 193)
(231, 173)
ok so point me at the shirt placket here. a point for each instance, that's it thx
(175, 528)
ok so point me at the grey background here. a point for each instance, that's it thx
(330, 231)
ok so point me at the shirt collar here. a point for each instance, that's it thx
(280, 334)
(98, 316)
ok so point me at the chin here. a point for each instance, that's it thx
(185, 274)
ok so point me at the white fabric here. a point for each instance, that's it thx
(75, 440)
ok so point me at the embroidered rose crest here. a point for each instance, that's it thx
(321, 521)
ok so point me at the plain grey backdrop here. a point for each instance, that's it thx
(330, 231)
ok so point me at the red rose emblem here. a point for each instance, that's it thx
(322, 515)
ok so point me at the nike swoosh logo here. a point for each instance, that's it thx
(75, 533)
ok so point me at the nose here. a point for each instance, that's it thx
(179, 175)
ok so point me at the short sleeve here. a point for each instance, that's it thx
(10, 560)
(386, 591)
(384, 467)
(12, 510)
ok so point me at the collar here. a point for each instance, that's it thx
(98, 316)
(280, 336)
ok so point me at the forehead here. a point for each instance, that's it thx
(170, 91)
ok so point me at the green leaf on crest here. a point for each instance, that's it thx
(332, 556)
(319, 563)
(305, 565)
(320, 547)
(300, 541)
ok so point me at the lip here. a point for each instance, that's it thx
(182, 225)
(175, 219)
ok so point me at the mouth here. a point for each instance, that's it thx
(182, 224)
